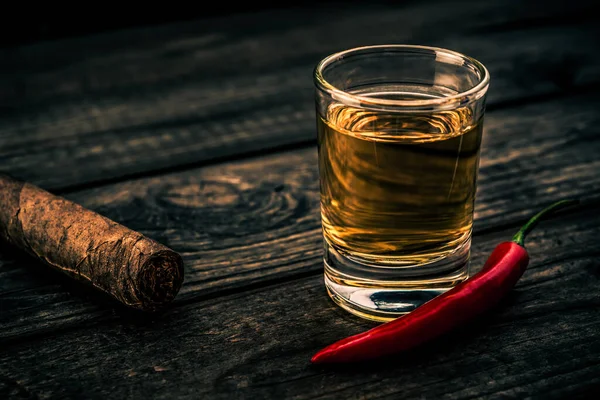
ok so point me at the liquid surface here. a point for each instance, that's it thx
(397, 189)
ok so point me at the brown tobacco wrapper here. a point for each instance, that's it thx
(132, 268)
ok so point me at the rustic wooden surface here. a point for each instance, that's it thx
(201, 135)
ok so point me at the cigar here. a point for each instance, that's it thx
(130, 267)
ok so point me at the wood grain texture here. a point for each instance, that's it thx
(256, 222)
(542, 342)
(113, 106)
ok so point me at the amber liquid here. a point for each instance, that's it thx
(397, 189)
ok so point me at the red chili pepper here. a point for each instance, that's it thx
(482, 291)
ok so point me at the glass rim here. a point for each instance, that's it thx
(466, 96)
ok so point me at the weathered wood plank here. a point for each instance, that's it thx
(256, 221)
(542, 342)
(124, 104)
(162, 54)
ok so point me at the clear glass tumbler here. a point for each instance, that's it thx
(399, 135)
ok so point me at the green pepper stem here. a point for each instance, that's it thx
(519, 238)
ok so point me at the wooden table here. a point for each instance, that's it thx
(202, 135)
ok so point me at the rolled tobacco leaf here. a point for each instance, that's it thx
(132, 268)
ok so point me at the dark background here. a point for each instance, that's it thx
(28, 22)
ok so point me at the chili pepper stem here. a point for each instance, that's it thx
(519, 238)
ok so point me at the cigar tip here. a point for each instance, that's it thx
(160, 280)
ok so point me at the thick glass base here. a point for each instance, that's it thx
(383, 293)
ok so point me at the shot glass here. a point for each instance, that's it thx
(399, 135)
